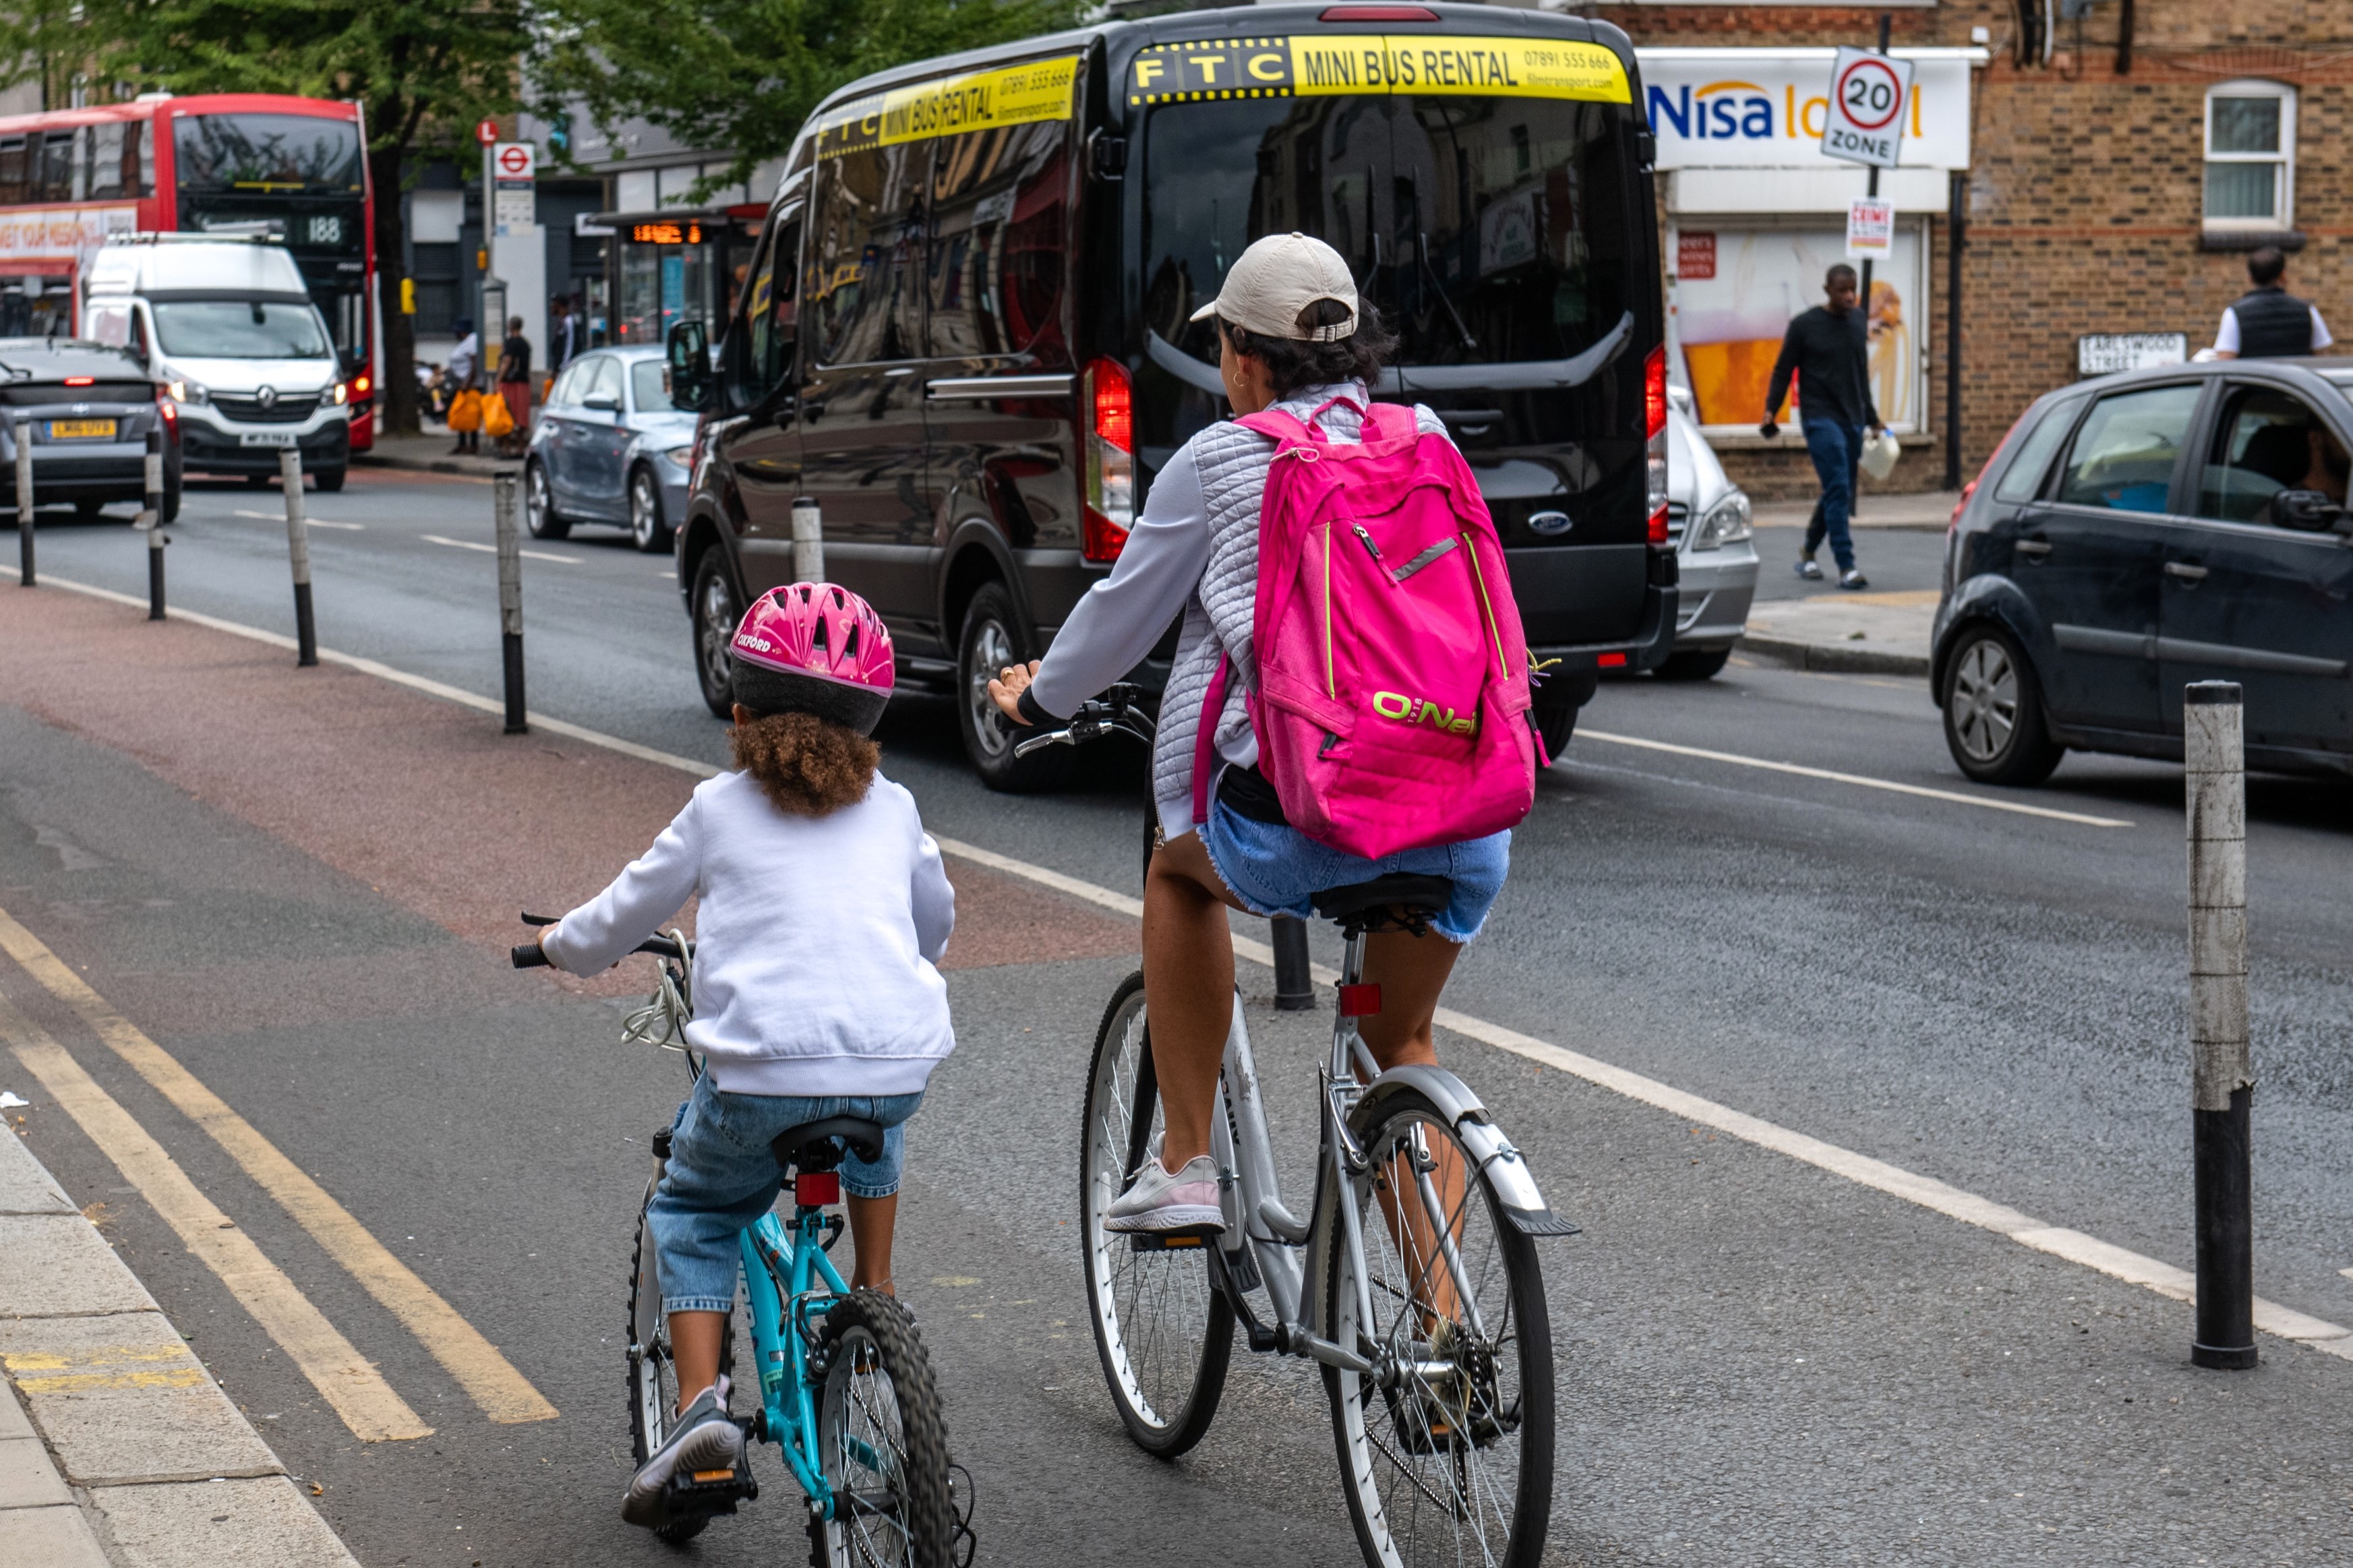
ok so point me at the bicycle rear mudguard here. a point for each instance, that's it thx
(1504, 1167)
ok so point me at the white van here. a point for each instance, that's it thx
(227, 325)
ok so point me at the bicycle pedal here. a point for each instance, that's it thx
(1169, 1240)
(702, 1493)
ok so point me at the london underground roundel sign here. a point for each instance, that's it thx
(1869, 94)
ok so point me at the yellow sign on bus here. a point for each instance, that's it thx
(977, 100)
(1324, 65)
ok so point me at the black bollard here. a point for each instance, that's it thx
(24, 436)
(151, 520)
(297, 553)
(502, 512)
(2222, 1076)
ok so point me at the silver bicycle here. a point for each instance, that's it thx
(1412, 1278)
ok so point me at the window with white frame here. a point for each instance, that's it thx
(2250, 156)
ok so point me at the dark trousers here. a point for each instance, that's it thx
(1836, 449)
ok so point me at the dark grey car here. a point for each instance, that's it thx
(87, 410)
(2141, 532)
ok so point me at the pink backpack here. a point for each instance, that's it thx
(1392, 695)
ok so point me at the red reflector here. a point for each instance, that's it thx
(1612, 661)
(82, 381)
(1378, 13)
(1102, 539)
(1114, 412)
(815, 1189)
(1658, 526)
(1359, 1001)
(1655, 392)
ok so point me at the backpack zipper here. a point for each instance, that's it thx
(1330, 684)
(1367, 538)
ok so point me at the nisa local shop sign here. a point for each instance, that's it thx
(1714, 109)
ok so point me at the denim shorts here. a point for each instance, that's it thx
(1275, 870)
(723, 1176)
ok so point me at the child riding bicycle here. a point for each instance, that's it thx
(824, 909)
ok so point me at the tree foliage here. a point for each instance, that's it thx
(741, 75)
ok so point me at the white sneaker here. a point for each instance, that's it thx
(1162, 1201)
(704, 1440)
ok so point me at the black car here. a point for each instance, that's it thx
(967, 331)
(86, 409)
(2141, 532)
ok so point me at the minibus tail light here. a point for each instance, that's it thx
(1107, 408)
(1654, 415)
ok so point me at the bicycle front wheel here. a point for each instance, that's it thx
(1446, 1453)
(1163, 1329)
(882, 1442)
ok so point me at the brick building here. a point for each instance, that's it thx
(2115, 166)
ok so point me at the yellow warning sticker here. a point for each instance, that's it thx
(977, 100)
(1200, 69)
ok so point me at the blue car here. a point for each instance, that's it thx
(608, 447)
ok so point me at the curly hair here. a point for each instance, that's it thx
(1296, 362)
(806, 765)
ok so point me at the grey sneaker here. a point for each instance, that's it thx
(1854, 579)
(1809, 569)
(706, 1440)
(1160, 1201)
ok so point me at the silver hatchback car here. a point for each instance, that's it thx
(1708, 520)
(608, 447)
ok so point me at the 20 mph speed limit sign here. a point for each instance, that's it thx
(1870, 95)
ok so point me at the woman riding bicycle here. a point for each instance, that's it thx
(1291, 337)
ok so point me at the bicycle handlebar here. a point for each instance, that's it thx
(531, 956)
(1119, 712)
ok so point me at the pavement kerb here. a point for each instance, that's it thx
(2083, 1250)
(1831, 657)
(475, 469)
(108, 1375)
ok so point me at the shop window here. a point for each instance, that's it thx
(864, 285)
(2250, 157)
(999, 233)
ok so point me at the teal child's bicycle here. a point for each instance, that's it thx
(845, 1391)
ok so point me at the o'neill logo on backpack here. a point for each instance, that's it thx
(1410, 710)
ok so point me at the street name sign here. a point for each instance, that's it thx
(1868, 95)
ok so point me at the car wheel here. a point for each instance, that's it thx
(330, 480)
(645, 524)
(716, 611)
(1695, 664)
(1556, 720)
(539, 510)
(992, 638)
(1993, 710)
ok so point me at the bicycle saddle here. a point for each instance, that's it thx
(1398, 900)
(811, 1146)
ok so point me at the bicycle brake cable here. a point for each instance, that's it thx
(662, 1020)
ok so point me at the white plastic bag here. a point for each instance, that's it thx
(1879, 454)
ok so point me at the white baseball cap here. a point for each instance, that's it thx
(1278, 277)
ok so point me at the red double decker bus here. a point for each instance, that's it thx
(220, 163)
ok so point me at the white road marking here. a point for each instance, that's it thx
(313, 521)
(493, 550)
(1955, 796)
(2074, 1247)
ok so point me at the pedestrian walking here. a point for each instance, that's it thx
(1828, 348)
(463, 374)
(514, 386)
(563, 334)
(2267, 321)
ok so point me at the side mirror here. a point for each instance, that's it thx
(694, 387)
(603, 401)
(2307, 511)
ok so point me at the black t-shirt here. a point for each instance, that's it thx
(1831, 356)
(515, 359)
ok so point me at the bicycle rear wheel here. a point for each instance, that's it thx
(882, 1442)
(1448, 1460)
(1163, 1329)
(652, 1375)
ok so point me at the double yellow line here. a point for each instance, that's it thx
(348, 1380)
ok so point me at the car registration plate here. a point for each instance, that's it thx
(80, 429)
(266, 438)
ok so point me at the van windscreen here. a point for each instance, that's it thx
(1489, 230)
(238, 329)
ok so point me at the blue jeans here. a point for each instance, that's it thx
(1276, 869)
(723, 1176)
(1835, 448)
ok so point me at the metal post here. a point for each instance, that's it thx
(2221, 1084)
(151, 520)
(808, 541)
(503, 506)
(1294, 989)
(1956, 228)
(24, 434)
(1872, 191)
(298, 551)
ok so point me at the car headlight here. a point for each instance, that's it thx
(186, 391)
(1726, 523)
(682, 455)
(341, 393)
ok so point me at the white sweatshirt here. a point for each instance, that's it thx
(815, 939)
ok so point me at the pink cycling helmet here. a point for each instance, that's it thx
(813, 647)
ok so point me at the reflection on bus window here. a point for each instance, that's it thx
(231, 329)
(277, 152)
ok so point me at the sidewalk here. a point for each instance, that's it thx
(1925, 510)
(118, 1448)
(1855, 634)
(430, 453)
